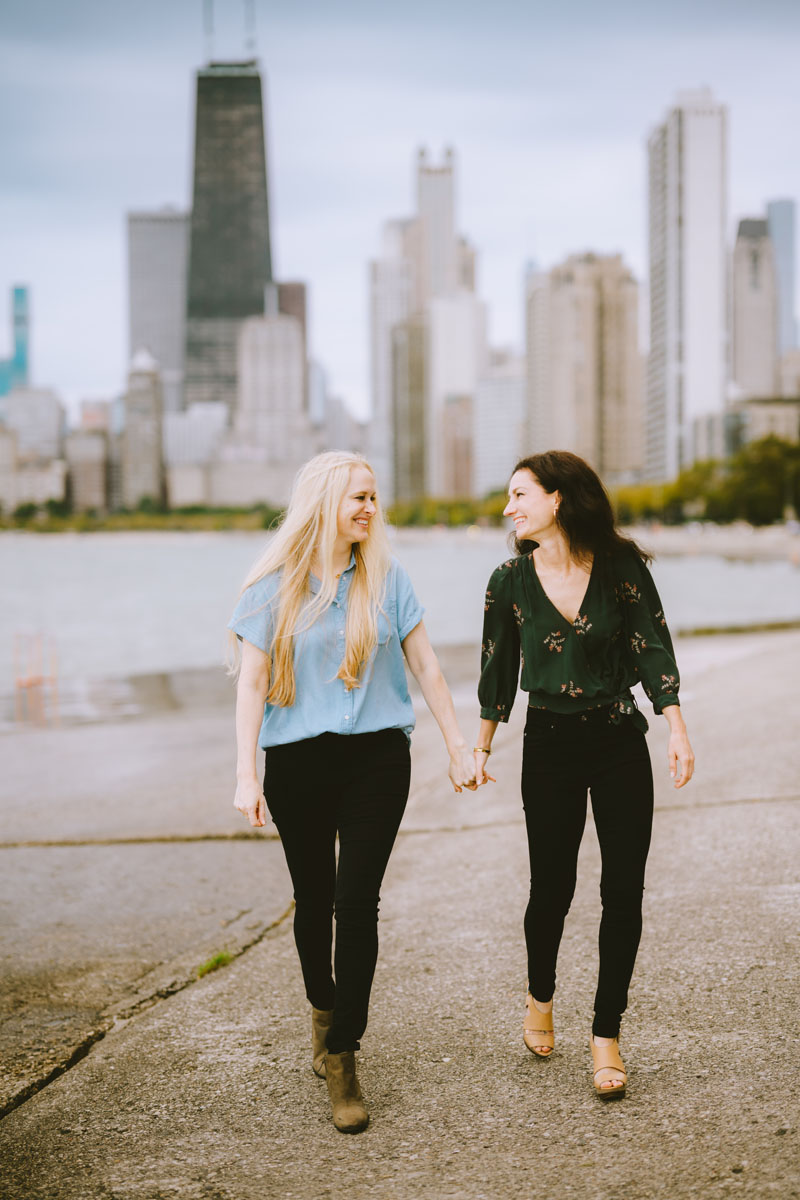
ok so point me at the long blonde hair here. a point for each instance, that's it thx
(308, 529)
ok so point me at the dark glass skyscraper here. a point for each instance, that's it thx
(230, 262)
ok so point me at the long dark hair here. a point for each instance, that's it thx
(585, 515)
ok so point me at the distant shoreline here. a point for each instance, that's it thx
(180, 692)
(738, 541)
(748, 543)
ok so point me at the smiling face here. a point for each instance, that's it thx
(530, 506)
(357, 506)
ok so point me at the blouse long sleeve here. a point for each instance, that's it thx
(500, 649)
(648, 636)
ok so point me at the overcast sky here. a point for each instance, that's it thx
(547, 105)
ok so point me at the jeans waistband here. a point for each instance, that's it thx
(601, 715)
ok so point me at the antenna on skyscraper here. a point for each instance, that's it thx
(250, 27)
(208, 28)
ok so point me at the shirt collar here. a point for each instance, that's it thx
(315, 585)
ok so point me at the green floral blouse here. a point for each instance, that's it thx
(618, 638)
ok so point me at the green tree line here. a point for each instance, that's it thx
(759, 484)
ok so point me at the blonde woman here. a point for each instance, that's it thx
(324, 619)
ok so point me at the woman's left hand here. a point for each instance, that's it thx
(680, 756)
(462, 770)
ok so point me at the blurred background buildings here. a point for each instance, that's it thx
(224, 400)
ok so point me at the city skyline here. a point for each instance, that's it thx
(537, 116)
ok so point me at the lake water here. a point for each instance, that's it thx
(129, 603)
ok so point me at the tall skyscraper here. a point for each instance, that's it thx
(438, 243)
(158, 245)
(14, 370)
(755, 311)
(781, 222)
(688, 362)
(584, 369)
(426, 271)
(230, 262)
(392, 282)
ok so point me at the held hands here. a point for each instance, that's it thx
(481, 774)
(249, 799)
(462, 770)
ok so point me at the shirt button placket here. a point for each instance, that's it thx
(347, 719)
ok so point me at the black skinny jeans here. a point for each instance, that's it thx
(563, 757)
(355, 786)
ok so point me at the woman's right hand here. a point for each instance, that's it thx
(249, 799)
(481, 776)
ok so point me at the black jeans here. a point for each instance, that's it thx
(355, 786)
(563, 757)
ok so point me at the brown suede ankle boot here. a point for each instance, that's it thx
(349, 1111)
(321, 1021)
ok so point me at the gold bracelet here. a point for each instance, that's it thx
(480, 750)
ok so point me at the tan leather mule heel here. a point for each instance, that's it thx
(538, 1029)
(607, 1058)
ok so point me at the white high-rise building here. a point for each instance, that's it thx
(438, 244)
(142, 456)
(271, 431)
(38, 418)
(584, 369)
(270, 404)
(755, 311)
(540, 431)
(498, 422)
(158, 247)
(458, 356)
(688, 362)
(427, 331)
(86, 454)
(781, 224)
(392, 291)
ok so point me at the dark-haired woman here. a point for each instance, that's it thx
(579, 609)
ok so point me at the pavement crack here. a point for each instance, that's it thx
(732, 803)
(660, 808)
(177, 839)
(37, 1085)
(143, 840)
(114, 1018)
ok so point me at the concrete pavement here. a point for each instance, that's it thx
(208, 1092)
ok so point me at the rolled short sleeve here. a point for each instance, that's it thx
(409, 610)
(252, 618)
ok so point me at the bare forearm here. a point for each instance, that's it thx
(674, 718)
(249, 714)
(438, 699)
(486, 732)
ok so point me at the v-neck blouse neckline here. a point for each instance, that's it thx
(618, 636)
(570, 620)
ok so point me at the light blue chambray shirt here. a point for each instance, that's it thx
(323, 704)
